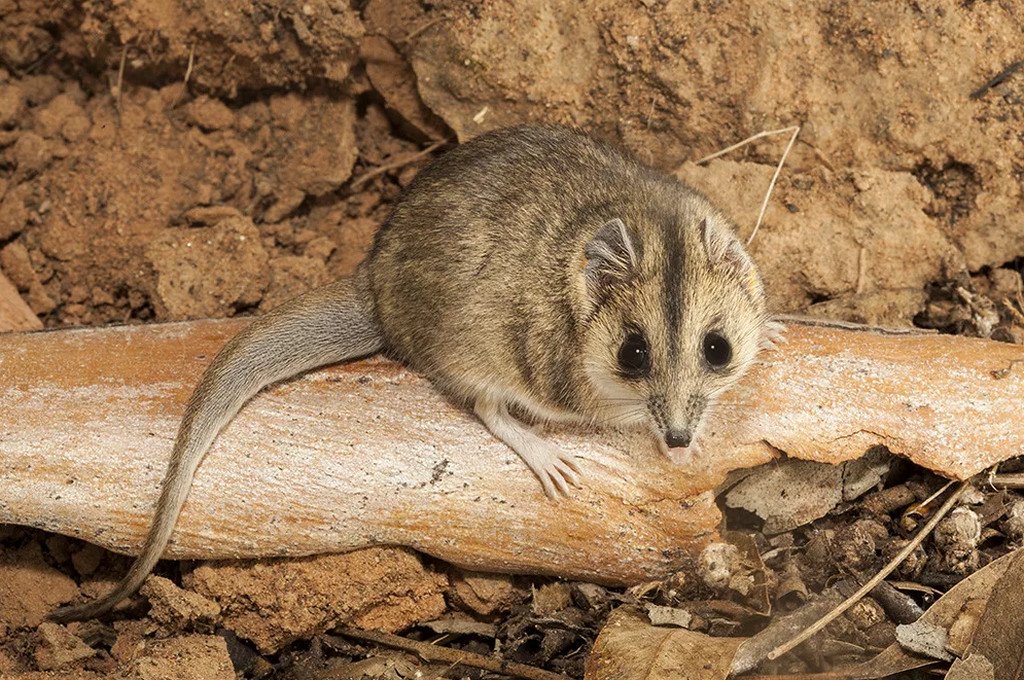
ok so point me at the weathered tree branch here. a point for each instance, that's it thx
(367, 453)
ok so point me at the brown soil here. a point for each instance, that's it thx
(164, 159)
(112, 185)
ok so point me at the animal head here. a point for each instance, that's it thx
(675, 315)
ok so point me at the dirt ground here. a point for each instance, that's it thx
(164, 160)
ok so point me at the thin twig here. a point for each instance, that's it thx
(742, 143)
(998, 79)
(876, 579)
(919, 507)
(120, 81)
(815, 322)
(862, 269)
(188, 74)
(771, 185)
(418, 31)
(398, 163)
(429, 652)
(795, 129)
(1007, 481)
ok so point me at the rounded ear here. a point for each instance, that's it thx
(723, 249)
(612, 256)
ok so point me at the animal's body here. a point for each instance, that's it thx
(531, 273)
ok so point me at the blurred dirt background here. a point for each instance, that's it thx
(175, 159)
(186, 158)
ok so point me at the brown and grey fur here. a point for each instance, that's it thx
(509, 274)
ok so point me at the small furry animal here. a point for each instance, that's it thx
(532, 273)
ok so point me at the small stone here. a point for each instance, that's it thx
(78, 293)
(210, 114)
(856, 544)
(956, 538)
(551, 598)
(320, 248)
(175, 608)
(15, 263)
(290, 276)
(75, 128)
(192, 657)
(972, 496)
(59, 648)
(591, 596)
(87, 559)
(13, 213)
(275, 602)
(101, 297)
(41, 89)
(29, 587)
(50, 118)
(39, 301)
(484, 594)
(718, 564)
(12, 104)
(209, 215)
(30, 154)
(1013, 525)
(866, 613)
(207, 272)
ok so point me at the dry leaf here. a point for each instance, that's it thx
(374, 668)
(945, 612)
(789, 494)
(962, 631)
(758, 597)
(668, 616)
(629, 648)
(971, 667)
(1000, 632)
(926, 639)
(460, 624)
(793, 493)
(753, 650)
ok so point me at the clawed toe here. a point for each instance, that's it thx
(557, 471)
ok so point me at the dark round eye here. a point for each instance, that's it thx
(717, 350)
(634, 356)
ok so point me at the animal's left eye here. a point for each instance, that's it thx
(717, 350)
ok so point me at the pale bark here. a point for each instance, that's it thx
(367, 453)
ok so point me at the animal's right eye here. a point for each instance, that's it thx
(634, 356)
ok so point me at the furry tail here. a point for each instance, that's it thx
(331, 324)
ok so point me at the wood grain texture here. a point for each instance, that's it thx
(15, 315)
(367, 453)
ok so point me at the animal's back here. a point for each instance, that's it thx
(476, 273)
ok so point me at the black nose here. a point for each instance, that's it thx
(677, 438)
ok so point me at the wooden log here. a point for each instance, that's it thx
(367, 453)
(15, 315)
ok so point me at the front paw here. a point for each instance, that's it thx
(555, 469)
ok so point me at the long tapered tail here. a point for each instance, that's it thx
(331, 324)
